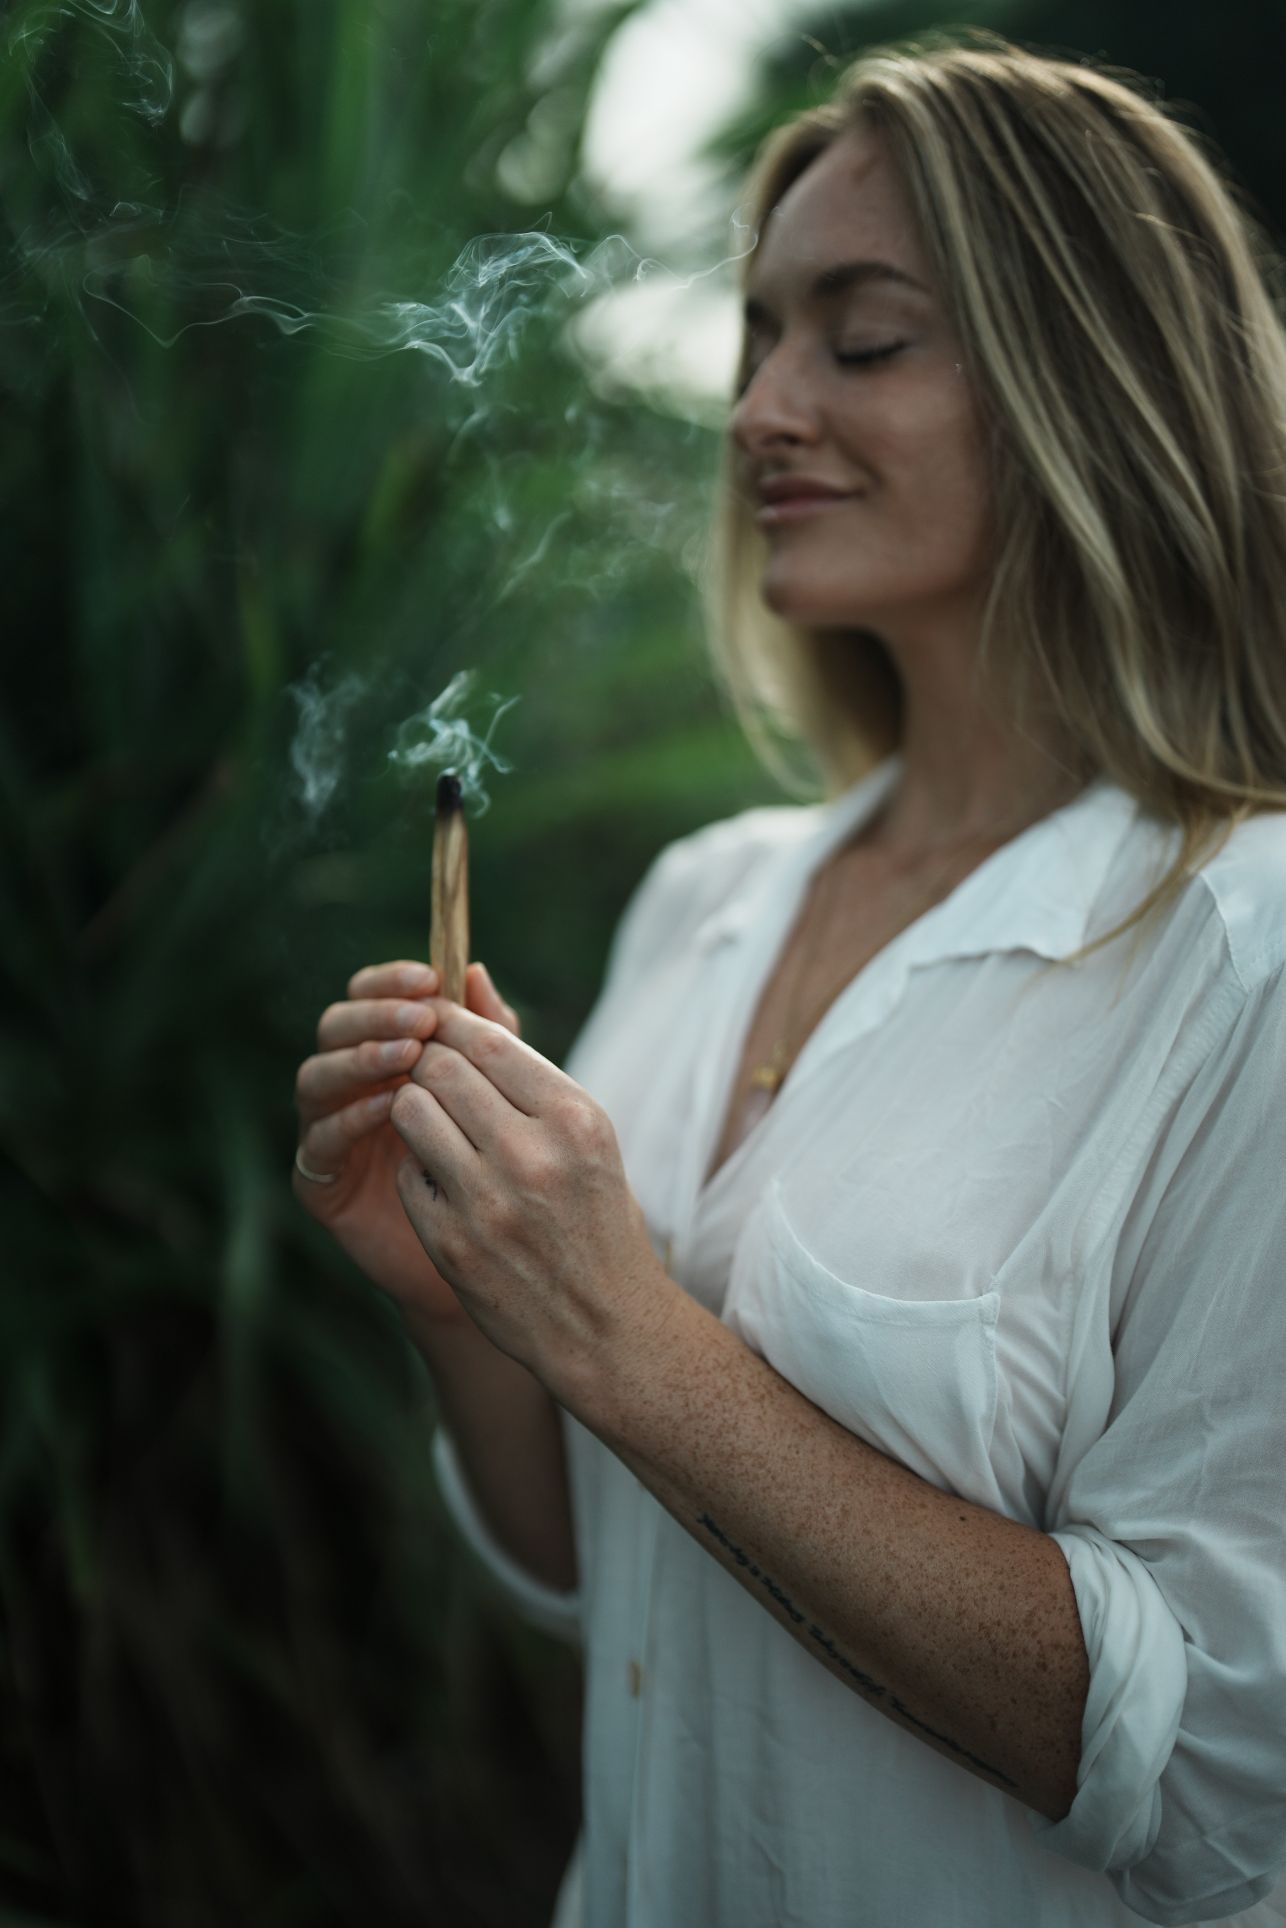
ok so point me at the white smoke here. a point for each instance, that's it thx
(317, 752)
(442, 738)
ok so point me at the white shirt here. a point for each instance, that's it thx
(1024, 1230)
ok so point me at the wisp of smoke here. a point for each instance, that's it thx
(139, 57)
(209, 263)
(202, 263)
(316, 754)
(441, 737)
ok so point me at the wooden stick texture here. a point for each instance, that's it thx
(449, 927)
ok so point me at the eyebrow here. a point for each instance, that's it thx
(839, 279)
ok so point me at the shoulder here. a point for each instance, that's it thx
(1244, 889)
(692, 878)
(699, 872)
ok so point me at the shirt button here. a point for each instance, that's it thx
(635, 1679)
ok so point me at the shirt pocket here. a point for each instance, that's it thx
(916, 1378)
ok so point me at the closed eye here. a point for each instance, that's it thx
(863, 357)
(847, 358)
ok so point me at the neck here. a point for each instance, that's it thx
(966, 776)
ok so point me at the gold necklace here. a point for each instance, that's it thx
(769, 1075)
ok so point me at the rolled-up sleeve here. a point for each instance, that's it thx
(1173, 1523)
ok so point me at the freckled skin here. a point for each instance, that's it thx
(958, 1624)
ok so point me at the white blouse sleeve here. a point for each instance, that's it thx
(540, 1605)
(1173, 1522)
(678, 890)
(642, 931)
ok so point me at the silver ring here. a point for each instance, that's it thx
(314, 1178)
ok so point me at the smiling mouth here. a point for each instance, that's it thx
(796, 508)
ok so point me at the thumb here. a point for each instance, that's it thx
(481, 995)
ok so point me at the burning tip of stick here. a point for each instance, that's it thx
(450, 793)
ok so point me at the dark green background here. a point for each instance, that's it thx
(246, 1673)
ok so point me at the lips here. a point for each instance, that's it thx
(797, 498)
(791, 488)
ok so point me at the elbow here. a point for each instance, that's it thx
(1056, 1805)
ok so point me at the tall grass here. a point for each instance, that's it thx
(245, 1671)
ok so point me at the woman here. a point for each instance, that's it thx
(870, 1345)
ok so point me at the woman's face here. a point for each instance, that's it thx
(899, 544)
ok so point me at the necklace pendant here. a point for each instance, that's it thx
(769, 1076)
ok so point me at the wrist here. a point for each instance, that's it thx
(440, 1341)
(612, 1387)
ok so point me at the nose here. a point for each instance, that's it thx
(773, 408)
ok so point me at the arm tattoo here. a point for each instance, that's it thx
(872, 1689)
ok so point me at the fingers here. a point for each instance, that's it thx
(529, 1082)
(368, 1044)
(326, 1142)
(434, 1140)
(356, 1020)
(375, 1035)
(405, 978)
(334, 1078)
(366, 1041)
(482, 997)
(402, 978)
(470, 1100)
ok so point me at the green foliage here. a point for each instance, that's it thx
(247, 1674)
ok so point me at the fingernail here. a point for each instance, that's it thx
(418, 977)
(410, 1017)
(395, 1050)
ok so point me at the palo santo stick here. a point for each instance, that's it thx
(449, 929)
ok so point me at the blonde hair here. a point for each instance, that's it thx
(1114, 300)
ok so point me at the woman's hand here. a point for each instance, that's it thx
(517, 1192)
(367, 1045)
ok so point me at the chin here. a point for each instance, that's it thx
(800, 603)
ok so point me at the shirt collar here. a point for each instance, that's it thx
(1037, 892)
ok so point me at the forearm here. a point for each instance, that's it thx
(507, 1432)
(958, 1624)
